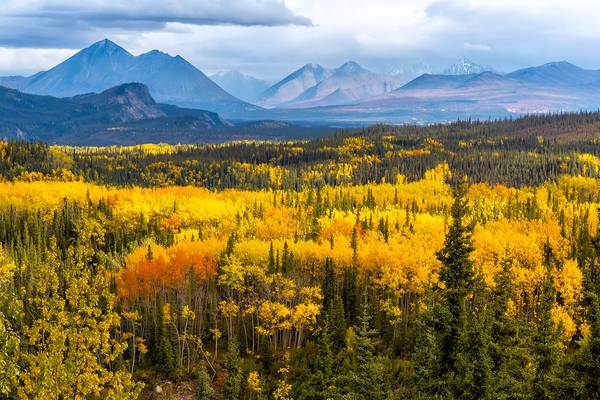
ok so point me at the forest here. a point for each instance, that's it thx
(455, 261)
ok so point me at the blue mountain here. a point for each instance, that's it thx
(294, 85)
(170, 79)
(558, 73)
(242, 86)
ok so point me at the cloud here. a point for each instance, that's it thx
(51, 23)
(30, 61)
(476, 46)
(270, 38)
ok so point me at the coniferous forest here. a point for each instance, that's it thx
(455, 261)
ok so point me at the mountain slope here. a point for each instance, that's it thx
(93, 69)
(242, 86)
(293, 85)
(553, 87)
(127, 114)
(347, 84)
(432, 81)
(13, 82)
(77, 119)
(123, 103)
(103, 65)
(559, 73)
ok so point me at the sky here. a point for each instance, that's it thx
(271, 38)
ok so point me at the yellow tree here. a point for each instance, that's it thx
(71, 336)
(10, 308)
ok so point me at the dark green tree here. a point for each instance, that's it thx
(546, 338)
(451, 356)
(204, 390)
(509, 348)
(233, 382)
(313, 373)
(363, 374)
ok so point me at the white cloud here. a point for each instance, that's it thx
(476, 46)
(27, 61)
(267, 37)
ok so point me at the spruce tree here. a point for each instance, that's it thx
(546, 339)
(165, 353)
(583, 380)
(509, 351)
(328, 285)
(232, 385)
(314, 376)
(451, 359)
(589, 356)
(363, 374)
(271, 266)
(204, 390)
(457, 275)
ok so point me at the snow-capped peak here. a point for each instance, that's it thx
(465, 67)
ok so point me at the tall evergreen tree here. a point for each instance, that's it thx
(314, 378)
(233, 382)
(328, 285)
(509, 348)
(546, 338)
(451, 359)
(363, 374)
(204, 390)
(583, 369)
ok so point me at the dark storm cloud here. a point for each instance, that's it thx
(70, 23)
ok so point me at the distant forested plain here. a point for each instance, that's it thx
(454, 261)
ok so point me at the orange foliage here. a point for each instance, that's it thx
(144, 276)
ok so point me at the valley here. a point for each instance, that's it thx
(299, 267)
(299, 200)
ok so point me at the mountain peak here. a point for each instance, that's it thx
(556, 73)
(157, 52)
(561, 65)
(350, 66)
(133, 88)
(131, 102)
(156, 55)
(241, 85)
(105, 64)
(105, 45)
(465, 66)
(104, 42)
(311, 67)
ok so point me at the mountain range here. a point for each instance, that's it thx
(293, 85)
(552, 87)
(315, 86)
(104, 64)
(346, 95)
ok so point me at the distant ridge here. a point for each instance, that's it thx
(315, 86)
(556, 73)
(245, 87)
(551, 87)
(313, 94)
(294, 85)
